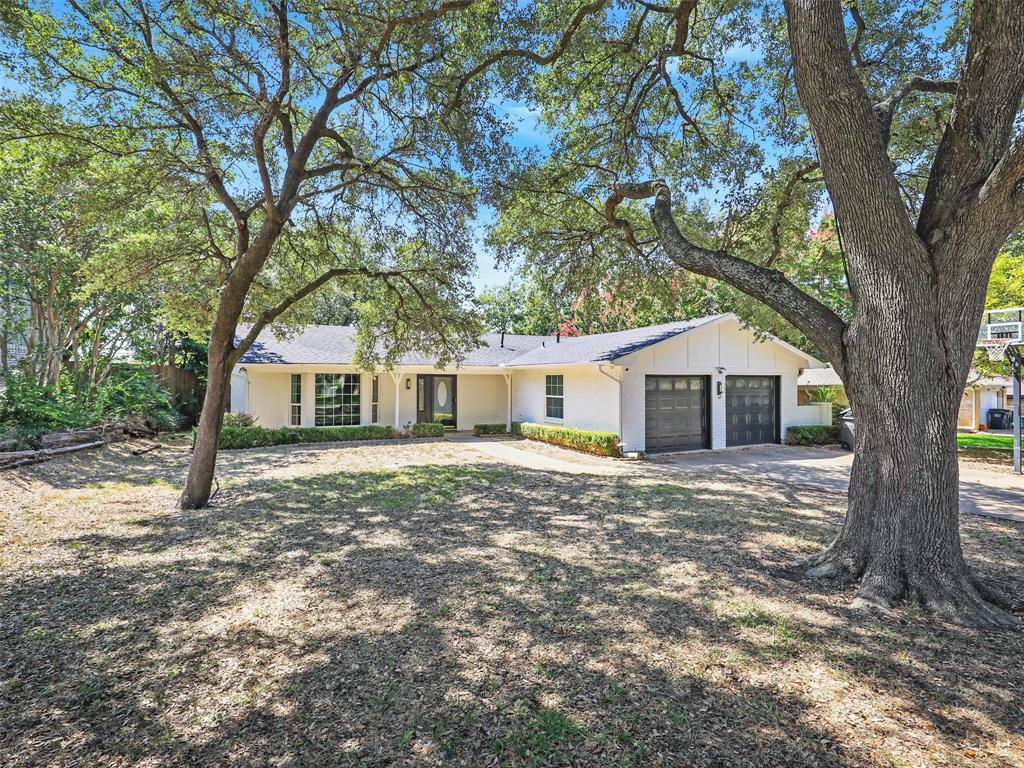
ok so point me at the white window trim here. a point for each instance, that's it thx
(342, 373)
(554, 419)
(291, 401)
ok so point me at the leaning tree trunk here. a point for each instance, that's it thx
(199, 483)
(905, 378)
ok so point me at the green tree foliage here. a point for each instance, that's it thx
(702, 95)
(526, 306)
(70, 221)
(324, 142)
(1006, 285)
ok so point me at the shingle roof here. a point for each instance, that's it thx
(605, 347)
(819, 377)
(335, 345)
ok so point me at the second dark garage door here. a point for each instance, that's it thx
(677, 413)
(751, 410)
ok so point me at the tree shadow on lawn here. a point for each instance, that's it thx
(114, 463)
(449, 614)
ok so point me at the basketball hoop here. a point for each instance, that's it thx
(997, 349)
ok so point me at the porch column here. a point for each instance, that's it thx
(397, 375)
(508, 402)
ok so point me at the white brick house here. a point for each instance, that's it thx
(703, 383)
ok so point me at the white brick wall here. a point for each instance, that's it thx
(591, 398)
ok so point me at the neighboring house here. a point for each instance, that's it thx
(15, 312)
(703, 383)
(980, 396)
(813, 379)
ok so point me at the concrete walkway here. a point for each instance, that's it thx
(983, 491)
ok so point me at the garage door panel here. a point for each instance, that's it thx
(676, 415)
(751, 410)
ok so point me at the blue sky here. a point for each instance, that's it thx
(529, 134)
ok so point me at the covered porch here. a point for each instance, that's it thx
(334, 395)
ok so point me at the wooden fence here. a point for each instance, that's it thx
(185, 391)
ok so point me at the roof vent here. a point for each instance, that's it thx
(502, 339)
(558, 336)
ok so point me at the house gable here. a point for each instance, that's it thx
(723, 343)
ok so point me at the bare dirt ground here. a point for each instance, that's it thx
(425, 604)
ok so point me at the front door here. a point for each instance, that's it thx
(436, 399)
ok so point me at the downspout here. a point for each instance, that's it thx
(618, 381)
(508, 402)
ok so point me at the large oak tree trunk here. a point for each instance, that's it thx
(905, 378)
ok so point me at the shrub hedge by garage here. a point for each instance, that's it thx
(258, 437)
(816, 435)
(600, 443)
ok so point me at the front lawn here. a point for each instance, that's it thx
(984, 440)
(425, 605)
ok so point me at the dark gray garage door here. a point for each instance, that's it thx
(751, 410)
(677, 413)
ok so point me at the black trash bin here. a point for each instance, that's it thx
(1000, 418)
(847, 429)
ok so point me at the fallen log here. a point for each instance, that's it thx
(13, 459)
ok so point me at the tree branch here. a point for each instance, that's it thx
(272, 107)
(858, 36)
(581, 14)
(853, 154)
(269, 315)
(780, 209)
(886, 109)
(981, 124)
(822, 325)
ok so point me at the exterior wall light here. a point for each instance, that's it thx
(408, 383)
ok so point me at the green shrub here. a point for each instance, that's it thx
(600, 443)
(824, 394)
(133, 392)
(816, 435)
(489, 429)
(517, 427)
(428, 429)
(239, 420)
(28, 409)
(258, 437)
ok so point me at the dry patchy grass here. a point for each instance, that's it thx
(420, 604)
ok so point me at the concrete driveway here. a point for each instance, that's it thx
(983, 491)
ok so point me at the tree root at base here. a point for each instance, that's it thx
(957, 595)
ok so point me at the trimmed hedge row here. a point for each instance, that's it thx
(600, 443)
(496, 429)
(259, 437)
(816, 435)
(489, 429)
(428, 429)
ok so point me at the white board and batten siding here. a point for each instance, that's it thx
(724, 349)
